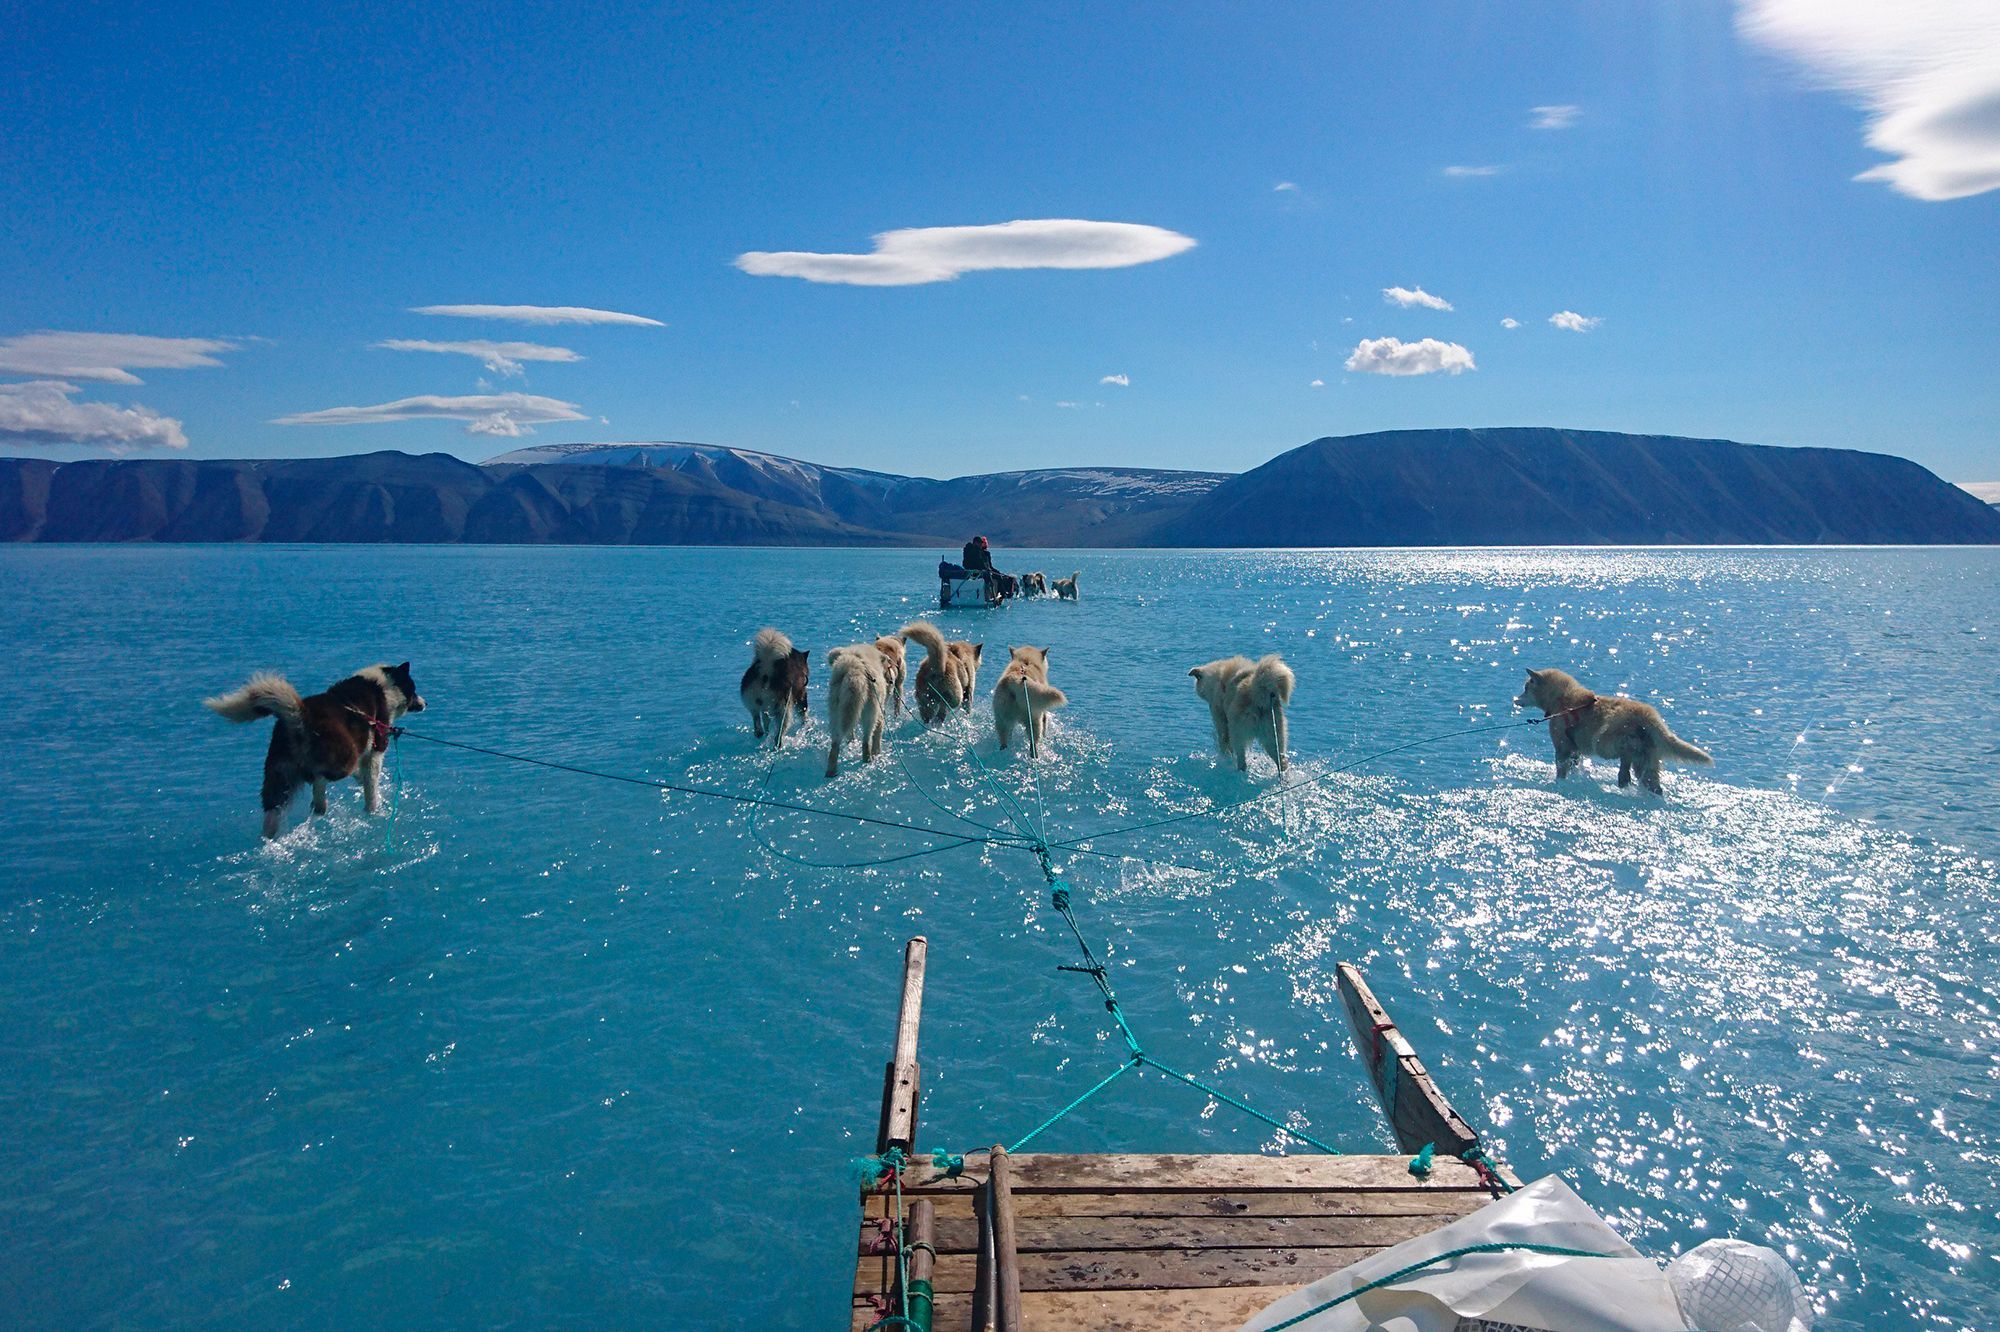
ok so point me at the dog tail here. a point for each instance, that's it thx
(1673, 747)
(266, 695)
(771, 646)
(1271, 683)
(1042, 697)
(926, 635)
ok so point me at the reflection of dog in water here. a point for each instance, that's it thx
(1582, 724)
(1247, 701)
(1024, 697)
(775, 685)
(857, 696)
(948, 674)
(324, 738)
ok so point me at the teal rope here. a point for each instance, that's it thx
(1401, 1272)
(1050, 1122)
(395, 792)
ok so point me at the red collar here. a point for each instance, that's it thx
(380, 730)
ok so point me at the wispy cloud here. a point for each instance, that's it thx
(105, 358)
(506, 414)
(1407, 297)
(939, 254)
(1285, 187)
(44, 412)
(1574, 322)
(1069, 406)
(1928, 72)
(1510, 322)
(502, 358)
(1122, 381)
(1317, 383)
(1460, 172)
(538, 314)
(1392, 356)
(1553, 117)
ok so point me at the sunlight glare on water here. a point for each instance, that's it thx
(546, 1049)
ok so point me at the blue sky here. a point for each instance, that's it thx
(292, 181)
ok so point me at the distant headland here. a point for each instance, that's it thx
(1512, 486)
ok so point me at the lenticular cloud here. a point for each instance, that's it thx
(1927, 70)
(504, 414)
(939, 254)
(1393, 356)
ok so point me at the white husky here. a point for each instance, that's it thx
(1024, 697)
(857, 696)
(1247, 701)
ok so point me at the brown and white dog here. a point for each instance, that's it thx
(775, 685)
(949, 672)
(326, 737)
(1246, 701)
(1024, 697)
(1035, 584)
(894, 669)
(857, 695)
(1065, 588)
(1582, 724)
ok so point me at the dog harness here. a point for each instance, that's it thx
(380, 731)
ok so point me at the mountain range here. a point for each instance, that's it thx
(1513, 486)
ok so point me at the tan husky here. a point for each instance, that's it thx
(1024, 697)
(949, 673)
(1246, 701)
(857, 696)
(1582, 724)
(1065, 588)
(894, 664)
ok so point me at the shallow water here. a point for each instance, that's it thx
(547, 1050)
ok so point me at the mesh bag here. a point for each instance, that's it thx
(1726, 1285)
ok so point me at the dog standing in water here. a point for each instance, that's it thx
(1035, 584)
(894, 667)
(775, 685)
(1247, 700)
(1065, 588)
(325, 738)
(1582, 723)
(857, 696)
(949, 673)
(1024, 697)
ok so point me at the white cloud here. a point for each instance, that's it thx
(1317, 383)
(1069, 406)
(1463, 171)
(1554, 117)
(1392, 356)
(1285, 187)
(939, 254)
(1122, 381)
(1510, 322)
(1406, 298)
(1928, 72)
(507, 414)
(538, 314)
(502, 358)
(105, 358)
(1574, 322)
(43, 412)
(1986, 490)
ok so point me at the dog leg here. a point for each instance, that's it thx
(782, 724)
(1649, 776)
(833, 755)
(273, 818)
(371, 783)
(1624, 772)
(757, 723)
(319, 796)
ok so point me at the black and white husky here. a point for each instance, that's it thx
(326, 737)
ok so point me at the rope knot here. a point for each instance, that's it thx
(1420, 1164)
(1060, 897)
(951, 1163)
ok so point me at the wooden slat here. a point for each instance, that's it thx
(1153, 1269)
(1272, 1202)
(1186, 1173)
(1418, 1112)
(1007, 1277)
(1059, 1234)
(1193, 1310)
(923, 1256)
(898, 1127)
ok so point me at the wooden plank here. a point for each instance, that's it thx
(1061, 1234)
(1417, 1110)
(1185, 1173)
(1275, 1202)
(923, 1260)
(1190, 1310)
(982, 1270)
(898, 1126)
(1006, 1253)
(1152, 1269)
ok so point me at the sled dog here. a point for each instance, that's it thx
(774, 687)
(857, 696)
(948, 674)
(1024, 697)
(1247, 701)
(1582, 724)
